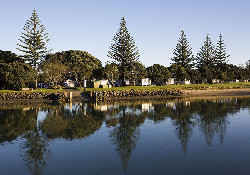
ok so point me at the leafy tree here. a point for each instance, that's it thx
(8, 57)
(53, 71)
(14, 73)
(183, 57)
(206, 60)
(138, 72)
(111, 71)
(98, 73)
(124, 50)
(195, 76)
(182, 73)
(179, 72)
(81, 64)
(33, 41)
(247, 69)
(248, 64)
(157, 73)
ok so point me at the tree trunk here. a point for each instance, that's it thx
(112, 80)
(36, 78)
(123, 81)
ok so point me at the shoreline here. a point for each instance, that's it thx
(194, 94)
(242, 92)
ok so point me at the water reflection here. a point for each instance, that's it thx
(35, 151)
(78, 121)
(72, 123)
(126, 133)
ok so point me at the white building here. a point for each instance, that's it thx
(170, 81)
(186, 82)
(143, 82)
(69, 83)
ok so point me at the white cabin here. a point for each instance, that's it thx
(170, 81)
(69, 83)
(143, 82)
(185, 82)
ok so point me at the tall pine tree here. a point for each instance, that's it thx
(220, 60)
(33, 42)
(183, 57)
(206, 61)
(183, 53)
(220, 53)
(124, 50)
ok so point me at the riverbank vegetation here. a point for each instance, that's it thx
(39, 64)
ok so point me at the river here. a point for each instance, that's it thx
(179, 136)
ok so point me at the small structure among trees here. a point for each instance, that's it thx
(143, 82)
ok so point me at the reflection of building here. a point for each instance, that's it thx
(72, 106)
(171, 104)
(101, 107)
(187, 103)
(146, 107)
(26, 109)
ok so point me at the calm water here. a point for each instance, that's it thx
(170, 137)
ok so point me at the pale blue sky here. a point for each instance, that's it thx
(90, 25)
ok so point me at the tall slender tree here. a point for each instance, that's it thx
(206, 60)
(33, 42)
(124, 50)
(220, 52)
(183, 53)
(220, 60)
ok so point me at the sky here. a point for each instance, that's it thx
(155, 25)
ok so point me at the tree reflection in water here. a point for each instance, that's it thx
(78, 122)
(83, 120)
(35, 152)
(126, 134)
(22, 123)
(209, 115)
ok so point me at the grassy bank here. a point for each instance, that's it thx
(35, 90)
(182, 87)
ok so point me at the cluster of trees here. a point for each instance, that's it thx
(39, 64)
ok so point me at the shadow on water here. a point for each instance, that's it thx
(81, 120)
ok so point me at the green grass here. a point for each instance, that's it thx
(35, 90)
(182, 87)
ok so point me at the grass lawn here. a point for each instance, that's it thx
(182, 87)
(35, 90)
